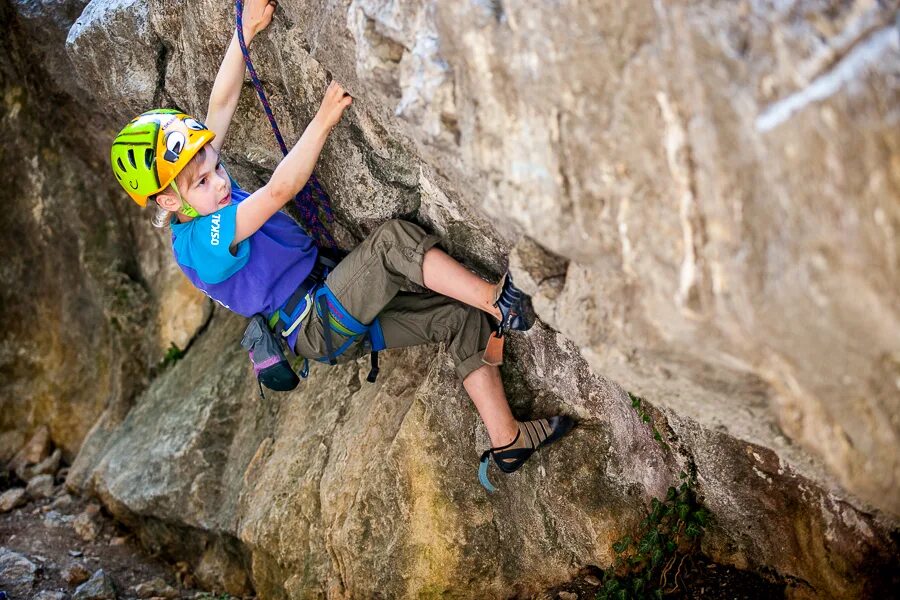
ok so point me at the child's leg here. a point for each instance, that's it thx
(372, 274)
(505, 302)
(397, 252)
(411, 319)
(486, 391)
(444, 275)
(368, 278)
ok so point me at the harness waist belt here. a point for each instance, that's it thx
(287, 318)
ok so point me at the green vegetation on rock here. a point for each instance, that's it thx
(648, 562)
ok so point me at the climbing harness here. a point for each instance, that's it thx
(314, 292)
(312, 197)
(336, 318)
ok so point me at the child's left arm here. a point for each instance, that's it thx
(226, 90)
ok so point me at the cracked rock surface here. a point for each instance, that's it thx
(700, 196)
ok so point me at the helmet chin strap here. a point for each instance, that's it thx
(186, 209)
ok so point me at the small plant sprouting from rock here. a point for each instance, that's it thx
(637, 405)
(648, 564)
(173, 355)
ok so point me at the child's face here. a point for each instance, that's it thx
(208, 189)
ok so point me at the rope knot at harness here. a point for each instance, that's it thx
(312, 197)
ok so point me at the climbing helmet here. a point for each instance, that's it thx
(153, 148)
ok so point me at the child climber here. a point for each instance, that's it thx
(241, 251)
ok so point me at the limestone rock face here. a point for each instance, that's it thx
(701, 197)
(79, 298)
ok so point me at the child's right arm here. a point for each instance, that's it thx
(294, 170)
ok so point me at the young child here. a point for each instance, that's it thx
(241, 251)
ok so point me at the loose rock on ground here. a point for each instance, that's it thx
(11, 499)
(99, 587)
(40, 487)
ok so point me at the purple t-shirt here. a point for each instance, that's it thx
(263, 272)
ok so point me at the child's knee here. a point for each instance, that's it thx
(398, 232)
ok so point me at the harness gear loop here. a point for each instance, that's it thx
(312, 197)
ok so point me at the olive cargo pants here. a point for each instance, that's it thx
(367, 282)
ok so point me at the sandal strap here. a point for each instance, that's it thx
(518, 456)
(510, 460)
(482, 472)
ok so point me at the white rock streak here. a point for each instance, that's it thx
(867, 54)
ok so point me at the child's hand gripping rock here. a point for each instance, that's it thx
(333, 105)
(257, 16)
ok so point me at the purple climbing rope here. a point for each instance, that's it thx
(312, 197)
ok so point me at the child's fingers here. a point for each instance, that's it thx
(335, 91)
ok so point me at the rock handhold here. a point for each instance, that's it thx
(99, 587)
(11, 499)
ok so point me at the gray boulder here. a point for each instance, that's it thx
(99, 587)
(16, 570)
(40, 487)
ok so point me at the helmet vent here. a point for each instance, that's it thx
(121, 166)
(148, 157)
(131, 157)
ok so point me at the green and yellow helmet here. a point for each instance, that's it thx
(153, 148)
